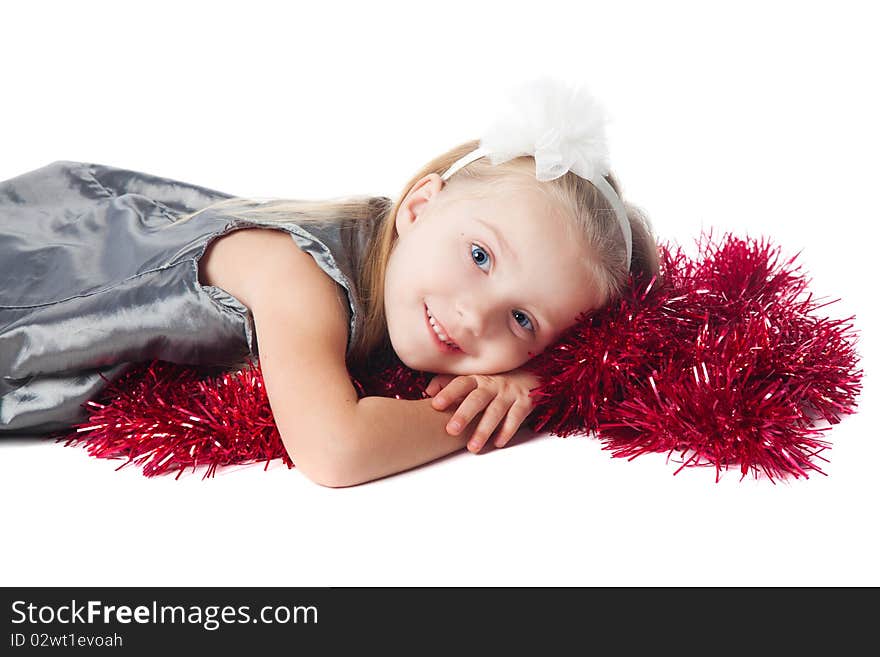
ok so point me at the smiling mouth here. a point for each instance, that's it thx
(443, 346)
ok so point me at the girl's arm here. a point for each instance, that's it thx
(399, 434)
(301, 324)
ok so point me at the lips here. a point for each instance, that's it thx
(440, 344)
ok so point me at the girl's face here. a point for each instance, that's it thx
(502, 296)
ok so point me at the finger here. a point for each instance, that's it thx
(456, 389)
(473, 404)
(495, 412)
(435, 385)
(515, 417)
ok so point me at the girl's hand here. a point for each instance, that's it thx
(504, 395)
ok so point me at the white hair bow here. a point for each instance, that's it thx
(563, 128)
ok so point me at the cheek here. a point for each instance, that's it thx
(437, 263)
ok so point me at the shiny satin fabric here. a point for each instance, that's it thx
(94, 278)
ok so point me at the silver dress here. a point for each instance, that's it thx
(95, 277)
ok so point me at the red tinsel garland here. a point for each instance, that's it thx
(721, 359)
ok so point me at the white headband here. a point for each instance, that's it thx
(563, 128)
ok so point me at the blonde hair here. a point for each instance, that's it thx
(592, 221)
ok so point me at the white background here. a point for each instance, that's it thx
(760, 118)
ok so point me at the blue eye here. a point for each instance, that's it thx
(480, 249)
(484, 260)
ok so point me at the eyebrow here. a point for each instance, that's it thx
(499, 237)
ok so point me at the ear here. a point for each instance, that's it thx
(416, 199)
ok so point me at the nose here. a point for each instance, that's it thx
(475, 316)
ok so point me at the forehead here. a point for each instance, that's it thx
(548, 272)
(517, 207)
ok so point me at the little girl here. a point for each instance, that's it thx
(478, 266)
